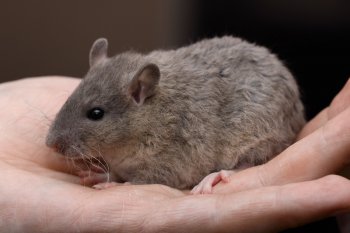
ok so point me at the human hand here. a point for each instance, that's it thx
(40, 193)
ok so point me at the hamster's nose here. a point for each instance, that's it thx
(57, 144)
(58, 148)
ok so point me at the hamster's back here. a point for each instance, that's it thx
(244, 96)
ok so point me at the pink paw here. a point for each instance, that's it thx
(107, 185)
(89, 178)
(207, 184)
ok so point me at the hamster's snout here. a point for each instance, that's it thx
(57, 148)
(63, 144)
(57, 144)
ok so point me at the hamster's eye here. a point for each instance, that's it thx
(95, 114)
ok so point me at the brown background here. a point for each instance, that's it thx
(41, 37)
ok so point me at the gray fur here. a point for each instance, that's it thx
(219, 103)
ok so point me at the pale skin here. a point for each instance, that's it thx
(38, 193)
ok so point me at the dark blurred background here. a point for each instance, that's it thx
(54, 37)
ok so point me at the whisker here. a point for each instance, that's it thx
(91, 160)
(104, 164)
(84, 157)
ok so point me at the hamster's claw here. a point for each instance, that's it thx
(207, 184)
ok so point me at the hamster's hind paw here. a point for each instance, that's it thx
(207, 184)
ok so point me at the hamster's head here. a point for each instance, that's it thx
(97, 114)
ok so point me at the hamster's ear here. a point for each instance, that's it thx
(98, 51)
(144, 83)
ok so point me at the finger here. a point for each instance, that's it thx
(318, 121)
(278, 208)
(323, 152)
(269, 209)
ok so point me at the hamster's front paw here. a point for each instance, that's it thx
(89, 178)
(107, 185)
(207, 184)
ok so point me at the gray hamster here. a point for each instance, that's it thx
(173, 117)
